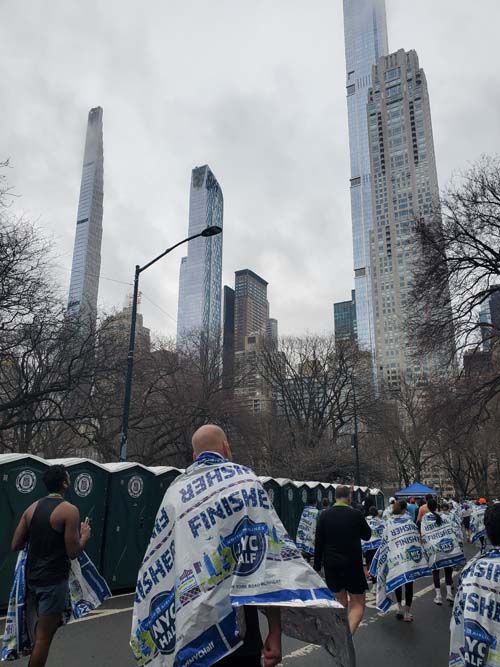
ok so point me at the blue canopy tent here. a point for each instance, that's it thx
(416, 490)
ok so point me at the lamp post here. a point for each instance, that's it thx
(208, 231)
(354, 436)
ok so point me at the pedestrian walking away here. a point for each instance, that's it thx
(413, 509)
(370, 546)
(338, 548)
(475, 622)
(443, 548)
(306, 530)
(218, 550)
(51, 530)
(398, 562)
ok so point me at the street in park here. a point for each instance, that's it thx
(101, 639)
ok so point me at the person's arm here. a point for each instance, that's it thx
(271, 652)
(319, 542)
(20, 537)
(76, 535)
(364, 529)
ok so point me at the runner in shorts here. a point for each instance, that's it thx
(338, 548)
(51, 529)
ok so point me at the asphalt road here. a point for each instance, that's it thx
(101, 639)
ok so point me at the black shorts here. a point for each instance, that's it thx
(352, 580)
(49, 600)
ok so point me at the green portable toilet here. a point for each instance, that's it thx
(273, 489)
(316, 488)
(132, 496)
(20, 485)
(330, 493)
(378, 498)
(165, 475)
(290, 502)
(88, 490)
(304, 490)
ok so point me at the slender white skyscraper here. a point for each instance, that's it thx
(86, 266)
(365, 31)
(200, 280)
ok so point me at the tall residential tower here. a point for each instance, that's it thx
(200, 281)
(86, 266)
(365, 30)
(404, 187)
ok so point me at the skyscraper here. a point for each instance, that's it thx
(404, 186)
(228, 342)
(365, 31)
(344, 315)
(200, 280)
(86, 266)
(251, 307)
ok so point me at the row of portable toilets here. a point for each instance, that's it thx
(121, 501)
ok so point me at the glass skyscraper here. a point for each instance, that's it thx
(86, 266)
(365, 31)
(344, 315)
(200, 280)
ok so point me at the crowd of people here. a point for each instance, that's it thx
(219, 552)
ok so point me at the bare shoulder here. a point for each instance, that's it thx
(67, 511)
(28, 513)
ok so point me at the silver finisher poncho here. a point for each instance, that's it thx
(475, 622)
(218, 545)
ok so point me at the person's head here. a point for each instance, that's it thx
(56, 479)
(421, 502)
(399, 507)
(428, 497)
(412, 501)
(483, 501)
(373, 511)
(343, 494)
(311, 499)
(210, 438)
(392, 500)
(492, 524)
(432, 507)
(326, 502)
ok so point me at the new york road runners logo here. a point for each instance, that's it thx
(83, 484)
(26, 481)
(446, 545)
(248, 546)
(414, 553)
(161, 621)
(135, 486)
(478, 643)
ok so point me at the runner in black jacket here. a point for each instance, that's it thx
(338, 548)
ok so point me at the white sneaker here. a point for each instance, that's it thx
(408, 617)
(450, 599)
(438, 599)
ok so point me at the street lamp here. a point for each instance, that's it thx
(213, 230)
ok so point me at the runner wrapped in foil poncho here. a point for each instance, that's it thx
(217, 545)
(477, 523)
(475, 622)
(399, 559)
(441, 543)
(87, 590)
(377, 527)
(306, 531)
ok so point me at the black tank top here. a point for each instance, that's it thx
(48, 562)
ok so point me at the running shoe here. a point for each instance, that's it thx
(400, 615)
(408, 617)
(450, 600)
(438, 599)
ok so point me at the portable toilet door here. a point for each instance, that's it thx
(129, 522)
(165, 475)
(273, 489)
(88, 490)
(290, 502)
(21, 485)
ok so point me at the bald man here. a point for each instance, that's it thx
(253, 653)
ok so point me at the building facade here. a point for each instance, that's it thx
(344, 316)
(200, 280)
(404, 186)
(228, 342)
(86, 266)
(365, 32)
(251, 307)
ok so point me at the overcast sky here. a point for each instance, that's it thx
(257, 91)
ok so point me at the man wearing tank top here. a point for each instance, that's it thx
(51, 530)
